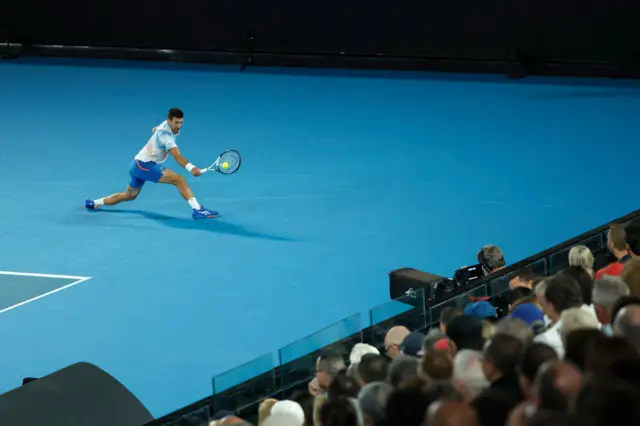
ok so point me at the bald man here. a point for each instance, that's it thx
(557, 383)
(450, 413)
(394, 338)
(627, 324)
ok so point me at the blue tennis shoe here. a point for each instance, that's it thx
(204, 213)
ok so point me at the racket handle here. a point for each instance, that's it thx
(204, 170)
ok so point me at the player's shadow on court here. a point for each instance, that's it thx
(218, 226)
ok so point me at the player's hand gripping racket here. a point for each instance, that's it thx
(227, 163)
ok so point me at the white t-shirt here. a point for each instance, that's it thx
(157, 148)
(552, 338)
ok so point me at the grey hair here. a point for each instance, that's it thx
(332, 364)
(577, 319)
(541, 288)
(402, 368)
(493, 256)
(433, 335)
(607, 290)
(373, 399)
(467, 370)
(581, 256)
(514, 327)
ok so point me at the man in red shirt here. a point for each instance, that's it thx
(618, 246)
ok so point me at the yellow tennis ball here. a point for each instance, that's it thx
(225, 165)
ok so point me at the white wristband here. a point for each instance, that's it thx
(189, 167)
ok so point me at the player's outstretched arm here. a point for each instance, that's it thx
(175, 152)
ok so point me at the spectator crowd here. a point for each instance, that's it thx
(566, 353)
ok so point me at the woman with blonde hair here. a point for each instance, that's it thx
(581, 256)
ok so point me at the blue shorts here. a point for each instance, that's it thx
(142, 171)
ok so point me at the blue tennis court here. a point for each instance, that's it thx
(345, 176)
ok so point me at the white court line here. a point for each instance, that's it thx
(29, 274)
(78, 281)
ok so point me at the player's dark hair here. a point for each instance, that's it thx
(175, 113)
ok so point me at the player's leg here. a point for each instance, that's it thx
(131, 193)
(171, 178)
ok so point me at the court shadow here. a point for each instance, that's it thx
(218, 226)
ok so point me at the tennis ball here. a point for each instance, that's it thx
(225, 165)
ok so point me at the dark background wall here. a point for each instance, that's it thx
(425, 33)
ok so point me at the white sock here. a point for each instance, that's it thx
(99, 202)
(194, 203)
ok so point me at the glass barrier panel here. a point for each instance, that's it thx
(478, 292)
(459, 301)
(560, 260)
(499, 285)
(245, 384)
(408, 310)
(298, 360)
(198, 417)
(538, 267)
(257, 367)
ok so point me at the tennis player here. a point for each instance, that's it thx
(147, 167)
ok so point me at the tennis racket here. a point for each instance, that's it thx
(227, 163)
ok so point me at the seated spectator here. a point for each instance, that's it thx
(502, 357)
(585, 282)
(264, 410)
(447, 315)
(372, 368)
(577, 344)
(441, 389)
(491, 258)
(618, 247)
(286, 413)
(623, 302)
(627, 369)
(515, 328)
(631, 275)
(412, 344)
(557, 383)
(450, 413)
(329, 365)
(340, 411)
(519, 295)
(607, 290)
(482, 310)
(406, 406)
(361, 349)
(541, 301)
(465, 332)
(343, 385)
(468, 377)
(561, 293)
(394, 338)
(606, 351)
(581, 256)
(436, 365)
(576, 319)
(431, 340)
(524, 278)
(306, 401)
(632, 236)
(402, 369)
(606, 400)
(492, 407)
(627, 324)
(373, 399)
(530, 315)
(533, 357)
